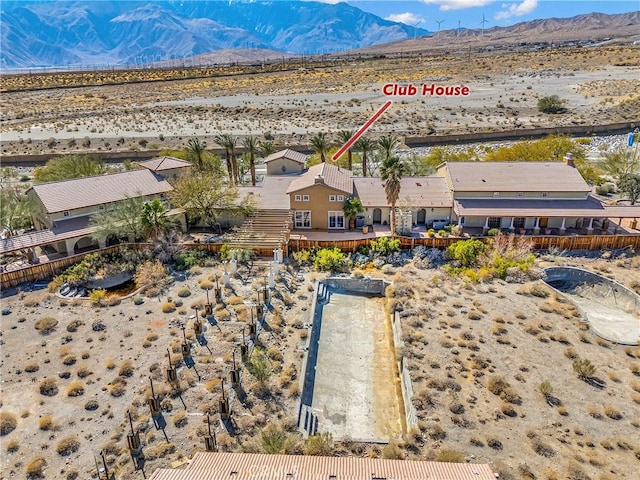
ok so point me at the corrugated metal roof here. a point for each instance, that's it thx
(226, 466)
(159, 164)
(330, 175)
(589, 207)
(89, 191)
(288, 154)
(515, 177)
(415, 191)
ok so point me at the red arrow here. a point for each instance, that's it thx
(363, 129)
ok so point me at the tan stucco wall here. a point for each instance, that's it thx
(318, 204)
(275, 167)
(437, 214)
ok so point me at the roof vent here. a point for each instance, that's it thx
(569, 160)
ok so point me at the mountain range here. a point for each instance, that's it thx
(44, 33)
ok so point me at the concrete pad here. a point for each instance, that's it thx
(355, 393)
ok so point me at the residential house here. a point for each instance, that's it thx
(167, 167)
(285, 162)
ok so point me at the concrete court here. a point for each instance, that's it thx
(355, 393)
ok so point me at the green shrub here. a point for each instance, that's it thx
(493, 232)
(184, 292)
(385, 245)
(303, 257)
(431, 233)
(189, 258)
(453, 456)
(466, 252)
(551, 104)
(98, 296)
(329, 259)
(138, 300)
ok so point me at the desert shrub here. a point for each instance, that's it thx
(184, 292)
(385, 245)
(320, 444)
(437, 432)
(159, 450)
(190, 258)
(466, 252)
(113, 301)
(117, 387)
(259, 365)
(303, 257)
(494, 443)
(542, 448)
(98, 326)
(6, 311)
(393, 451)
(13, 445)
(73, 326)
(91, 405)
(584, 369)
(46, 423)
(46, 325)
(76, 389)
(612, 412)
(126, 369)
(67, 446)
(452, 456)
(48, 387)
(493, 232)
(275, 354)
(168, 307)
(69, 360)
(8, 423)
(35, 467)
(31, 367)
(138, 300)
(330, 259)
(180, 419)
(98, 297)
(551, 104)
(151, 273)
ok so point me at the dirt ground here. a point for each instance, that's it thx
(291, 106)
(458, 337)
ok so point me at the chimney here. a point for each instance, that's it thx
(568, 159)
(319, 180)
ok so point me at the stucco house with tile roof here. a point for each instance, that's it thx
(168, 167)
(285, 162)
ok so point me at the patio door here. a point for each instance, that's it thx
(422, 216)
(377, 215)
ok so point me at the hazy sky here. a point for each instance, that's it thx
(424, 13)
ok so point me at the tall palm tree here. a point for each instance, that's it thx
(320, 145)
(365, 146)
(228, 142)
(266, 148)
(155, 221)
(344, 136)
(392, 170)
(388, 143)
(196, 148)
(251, 145)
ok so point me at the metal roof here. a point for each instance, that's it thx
(326, 174)
(289, 155)
(514, 177)
(415, 191)
(159, 164)
(90, 191)
(272, 193)
(229, 466)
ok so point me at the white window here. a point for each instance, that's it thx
(341, 198)
(65, 214)
(332, 198)
(336, 219)
(298, 198)
(545, 194)
(496, 194)
(302, 219)
(520, 194)
(305, 198)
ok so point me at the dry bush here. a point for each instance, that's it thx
(46, 325)
(126, 369)
(392, 451)
(46, 423)
(31, 301)
(76, 389)
(508, 410)
(67, 446)
(35, 467)
(8, 423)
(31, 367)
(212, 384)
(542, 449)
(110, 364)
(494, 443)
(49, 387)
(168, 307)
(437, 432)
(113, 301)
(294, 390)
(13, 445)
(161, 450)
(180, 419)
(594, 412)
(69, 360)
(117, 387)
(83, 371)
(450, 455)
(612, 412)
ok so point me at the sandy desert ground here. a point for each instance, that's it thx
(461, 340)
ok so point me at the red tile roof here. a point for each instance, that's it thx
(229, 466)
(514, 177)
(330, 175)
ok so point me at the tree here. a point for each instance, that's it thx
(196, 148)
(352, 207)
(630, 184)
(391, 171)
(551, 104)
(365, 146)
(251, 144)
(320, 145)
(617, 163)
(69, 167)
(228, 142)
(16, 209)
(122, 219)
(266, 148)
(344, 136)
(204, 197)
(388, 143)
(155, 220)
(466, 252)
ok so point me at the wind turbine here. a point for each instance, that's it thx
(439, 22)
(484, 20)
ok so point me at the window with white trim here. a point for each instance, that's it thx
(65, 214)
(336, 219)
(518, 222)
(305, 198)
(341, 198)
(302, 219)
(545, 194)
(298, 198)
(332, 198)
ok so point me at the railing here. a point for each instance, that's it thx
(33, 273)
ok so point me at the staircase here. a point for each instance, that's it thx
(264, 229)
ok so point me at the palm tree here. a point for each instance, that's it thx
(196, 148)
(266, 148)
(388, 143)
(251, 144)
(344, 136)
(392, 170)
(228, 142)
(154, 219)
(320, 145)
(365, 146)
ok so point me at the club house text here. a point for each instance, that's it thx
(425, 90)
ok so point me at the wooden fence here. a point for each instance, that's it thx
(34, 273)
